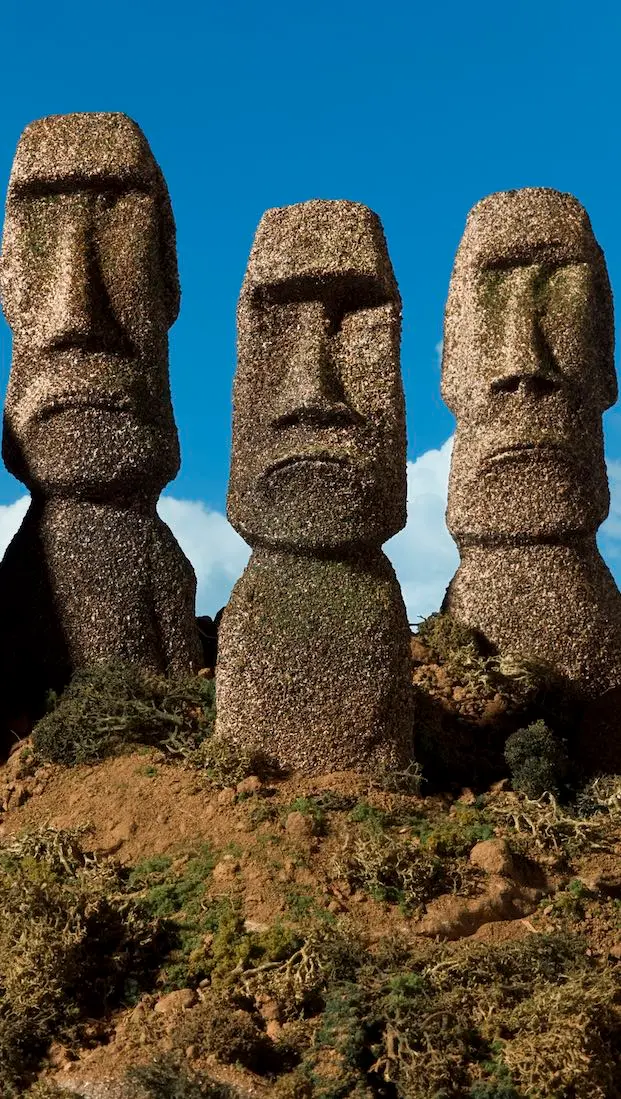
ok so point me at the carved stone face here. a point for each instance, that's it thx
(318, 456)
(528, 370)
(90, 289)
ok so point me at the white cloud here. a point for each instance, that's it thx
(609, 537)
(424, 554)
(216, 551)
(11, 516)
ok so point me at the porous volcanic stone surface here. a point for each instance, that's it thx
(318, 483)
(318, 456)
(528, 371)
(314, 666)
(90, 288)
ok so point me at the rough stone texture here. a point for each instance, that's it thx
(313, 646)
(313, 663)
(528, 371)
(90, 288)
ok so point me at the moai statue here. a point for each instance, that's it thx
(313, 664)
(90, 288)
(528, 371)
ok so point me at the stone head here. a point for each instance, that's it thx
(318, 457)
(528, 370)
(89, 284)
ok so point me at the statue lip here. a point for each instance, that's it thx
(322, 458)
(517, 450)
(70, 402)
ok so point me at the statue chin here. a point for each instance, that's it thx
(309, 508)
(500, 516)
(86, 453)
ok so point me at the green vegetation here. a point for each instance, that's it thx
(109, 708)
(591, 822)
(167, 1078)
(418, 861)
(314, 1006)
(482, 697)
(113, 708)
(537, 760)
(72, 944)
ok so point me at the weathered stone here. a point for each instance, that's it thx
(528, 371)
(180, 1000)
(313, 664)
(300, 827)
(494, 856)
(90, 289)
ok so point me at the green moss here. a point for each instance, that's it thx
(167, 1077)
(107, 709)
(72, 944)
(537, 760)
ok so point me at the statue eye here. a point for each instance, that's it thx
(106, 200)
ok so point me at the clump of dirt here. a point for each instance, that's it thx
(470, 699)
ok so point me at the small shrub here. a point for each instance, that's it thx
(168, 1078)
(537, 761)
(391, 868)
(71, 942)
(455, 835)
(110, 707)
(222, 1029)
(226, 764)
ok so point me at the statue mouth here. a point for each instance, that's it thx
(295, 460)
(521, 452)
(83, 402)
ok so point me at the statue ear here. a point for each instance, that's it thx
(606, 342)
(168, 253)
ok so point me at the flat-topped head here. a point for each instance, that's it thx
(90, 288)
(318, 458)
(528, 369)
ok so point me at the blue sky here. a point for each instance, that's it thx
(416, 110)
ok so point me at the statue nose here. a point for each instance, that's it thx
(523, 361)
(69, 310)
(311, 389)
(77, 311)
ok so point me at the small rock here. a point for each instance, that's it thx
(250, 785)
(274, 1030)
(443, 685)
(615, 950)
(254, 925)
(59, 1056)
(460, 694)
(299, 827)
(180, 1000)
(493, 710)
(467, 796)
(226, 869)
(20, 793)
(226, 796)
(120, 834)
(420, 652)
(269, 1010)
(455, 917)
(493, 856)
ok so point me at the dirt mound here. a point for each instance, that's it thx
(179, 924)
(309, 922)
